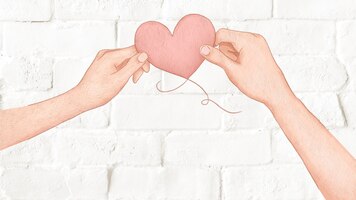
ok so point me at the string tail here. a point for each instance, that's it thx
(203, 102)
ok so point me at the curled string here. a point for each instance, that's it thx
(203, 102)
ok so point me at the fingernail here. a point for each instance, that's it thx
(136, 78)
(146, 68)
(204, 50)
(142, 57)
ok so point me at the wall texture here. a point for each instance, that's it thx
(150, 146)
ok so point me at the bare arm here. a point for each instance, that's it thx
(107, 75)
(20, 124)
(249, 64)
(331, 166)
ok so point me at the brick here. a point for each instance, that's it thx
(96, 118)
(126, 32)
(88, 183)
(12, 99)
(283, 151)
(37, 150)
(69, 39)
(164, 183)
(93, 37)
(269, 182)
(1, 33)
(83, 39)
(351, 70)
(132, 10)
(28, 38)
(35, 183)
(325, 107)
(225, 9)
(86, 10)
(290, 37)
(105, 148)
(28, 73)
(93, 148)
(315, 9)
(253, 114)
(67, 73)
(2, 192)
(346, 32)
(164, 112)
(3, 62)
(313, 73)
(235, 148)
(140, 149)
(31, 10)
(347, 137)
(348, 104)
(73, 123)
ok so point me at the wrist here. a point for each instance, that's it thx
(282, 96)
(77, 99)
(282, 101)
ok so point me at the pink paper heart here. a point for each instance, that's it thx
(179, 53)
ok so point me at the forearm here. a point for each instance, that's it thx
(20, 124)
(331, 166)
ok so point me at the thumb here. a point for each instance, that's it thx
(217, 57)
(134, 63)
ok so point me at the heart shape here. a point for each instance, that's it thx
(179, 53)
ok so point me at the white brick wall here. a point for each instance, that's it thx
(315, 9)
(58, 39)
(84, 10)
(31, 10)
(164, 183)
(146, 145)
(269, 182)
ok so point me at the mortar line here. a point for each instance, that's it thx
(221, 190)
(272, 8)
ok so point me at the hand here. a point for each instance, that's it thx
(249, 64)
(108, 74)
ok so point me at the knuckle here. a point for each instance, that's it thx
(222, 31)
(109, 53)
(101, 53)
(262, 38)
(259, 37)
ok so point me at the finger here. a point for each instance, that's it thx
(236, 38)
(217, 57)
(146, 67)
(135, 62)
(122, 53)
(101, 53)
(136, 76)
(229, 50)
